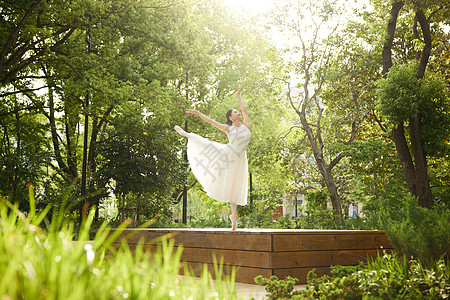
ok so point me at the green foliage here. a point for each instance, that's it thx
(390, 277)
(311, 219)
(138, 92)
(435, 116)
(313, 215)
(317, 199)
(24, 152)
(137, 154)
(261, 213)
(418, 232)
(150, 62)
(374, 176)
(399, 94)
(277, 289)
(387, 277)
(440, 179)
(40, 260)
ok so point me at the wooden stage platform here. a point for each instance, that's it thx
(267, 252)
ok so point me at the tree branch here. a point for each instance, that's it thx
(15, 33)
(22, 91)
(387, 48)
(425, 26)
(435, 12)
(335, 161)
(27, 108)
(285, 135)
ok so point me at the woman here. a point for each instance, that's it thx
(222, 169)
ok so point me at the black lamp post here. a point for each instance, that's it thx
(185, 158)
(84, 202)
(185, 186)
(251, 192)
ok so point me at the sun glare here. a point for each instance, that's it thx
(250, 6)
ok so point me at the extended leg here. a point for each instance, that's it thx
(233, 216)
(181, 131)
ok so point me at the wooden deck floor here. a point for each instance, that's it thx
(267, 252)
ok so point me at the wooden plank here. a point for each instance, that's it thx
(330, 241)
(251, 242)
(284, 240)
(300, 273)
(323, 242)
(242, 274)
(230, 257)
(255, 259)
(319, 258)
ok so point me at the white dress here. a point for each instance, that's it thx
(222, 169)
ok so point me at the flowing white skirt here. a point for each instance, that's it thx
(219, 168)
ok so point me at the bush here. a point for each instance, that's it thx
(277, 289)
(259, 214)
(419, 232)
(386, 277)
(310, 218)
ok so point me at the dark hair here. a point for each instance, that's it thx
(228, 115)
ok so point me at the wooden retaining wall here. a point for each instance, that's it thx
(267, 252)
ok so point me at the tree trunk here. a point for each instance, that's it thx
(414, 170)
(63, 167)
(332, 188)
(422, 181)
(97, 124)
(375, 179)
(138, 204)
(325, 170)
(70, 140)
(401, 145)
(387, 49)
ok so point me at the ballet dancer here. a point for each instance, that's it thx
(222, 169)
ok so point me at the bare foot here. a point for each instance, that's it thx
(180, 130)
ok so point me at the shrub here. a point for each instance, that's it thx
(418, 232)
(386, 277)
(277, 289)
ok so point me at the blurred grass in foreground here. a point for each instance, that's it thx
(40, 260)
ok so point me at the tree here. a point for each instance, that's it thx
(405, 84)
(24, 151)
(138, 161)
(311, 54)
(143, 51)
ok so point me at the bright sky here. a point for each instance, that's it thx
(262, 6)
(254, 6)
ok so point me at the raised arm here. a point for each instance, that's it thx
(246, 120)
(225, 128)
